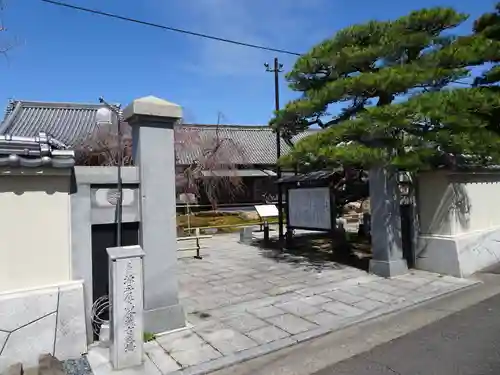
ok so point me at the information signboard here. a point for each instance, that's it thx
(310, 208)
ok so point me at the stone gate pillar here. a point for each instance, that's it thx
(387, 246)
(152, 121)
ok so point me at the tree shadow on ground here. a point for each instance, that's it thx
(319, 252)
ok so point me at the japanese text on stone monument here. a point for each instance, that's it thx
(129, 321)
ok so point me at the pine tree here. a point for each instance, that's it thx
(488, 26)
(404, 89)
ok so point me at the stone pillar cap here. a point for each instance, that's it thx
(123, 252)
(151, 106)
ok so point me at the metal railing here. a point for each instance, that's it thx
(209, 207)
(197, 237)
(226, 226)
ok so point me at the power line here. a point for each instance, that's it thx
(158, 26)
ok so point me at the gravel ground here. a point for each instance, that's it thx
(77, 366)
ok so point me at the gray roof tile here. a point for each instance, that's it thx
(39, 151)
(67, 122)
(70, 123)
(239, 144)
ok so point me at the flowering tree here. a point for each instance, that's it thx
(211, 169)
(101, 147)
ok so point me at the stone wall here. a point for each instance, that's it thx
(35, 322)
(92, 203)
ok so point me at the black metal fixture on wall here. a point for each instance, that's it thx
(111, 114)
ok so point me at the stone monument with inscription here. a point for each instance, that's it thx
(126, 306)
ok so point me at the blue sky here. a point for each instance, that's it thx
(65, 55)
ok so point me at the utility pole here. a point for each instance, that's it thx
(277, 69)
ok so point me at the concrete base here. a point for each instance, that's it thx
(388, 268)
(459, 256)
(246, 235)
(164, 319)
(42, 321)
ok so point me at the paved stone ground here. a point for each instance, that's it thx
(242, 302)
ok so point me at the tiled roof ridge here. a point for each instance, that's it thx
(45, 104)
(71, 123)
(226, 126)
(236, 127)
(10, 107)
(39, 151)
(242, 126)
(77, 105)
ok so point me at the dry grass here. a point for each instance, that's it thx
(216, 219)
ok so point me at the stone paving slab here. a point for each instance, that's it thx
(164, 363)
(291, 323)
(267, 334)
(243, 302)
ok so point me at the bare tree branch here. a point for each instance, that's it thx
(5, 44)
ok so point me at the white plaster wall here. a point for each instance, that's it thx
(435, 197)
(42, 321)
(34, 231)
(476, 198)
(460, 225)
(454, 204)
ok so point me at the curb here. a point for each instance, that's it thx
(252, 353)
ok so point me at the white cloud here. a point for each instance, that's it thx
(283, 24)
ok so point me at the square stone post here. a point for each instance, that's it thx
(152, 122)
(387, 246)
(126, 306)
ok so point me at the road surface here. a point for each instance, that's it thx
(465, 343)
